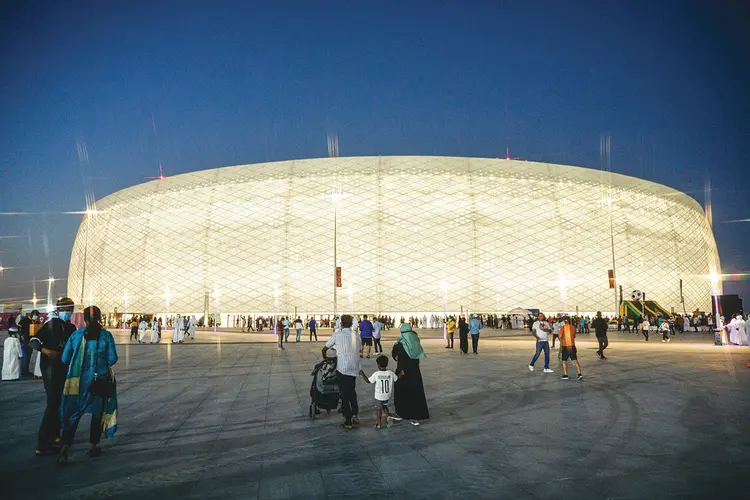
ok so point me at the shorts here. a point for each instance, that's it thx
(367, 341)
(569, 352)
(380, 404)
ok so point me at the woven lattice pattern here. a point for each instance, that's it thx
(490, 234)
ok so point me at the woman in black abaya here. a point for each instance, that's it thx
(409, 394)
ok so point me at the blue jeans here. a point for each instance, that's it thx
(299, 332)
(541, 345)
(25, 359)
(474, 342)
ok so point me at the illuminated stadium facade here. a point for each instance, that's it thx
(414, 234)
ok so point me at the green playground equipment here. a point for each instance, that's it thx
(635, 309)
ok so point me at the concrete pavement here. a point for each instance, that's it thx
(228, 419)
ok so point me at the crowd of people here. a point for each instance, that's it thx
(75, 363)
(147, 330)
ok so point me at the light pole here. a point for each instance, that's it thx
(276, 312)
(124, 309)
(561, 284)
(719, 334)
(216, 308)
(50, 281)
(335, 197)
(444, 287)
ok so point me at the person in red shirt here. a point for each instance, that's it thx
(568, 343)
(280, 333)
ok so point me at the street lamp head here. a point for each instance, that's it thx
(336, 196)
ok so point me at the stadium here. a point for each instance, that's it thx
(410, 234)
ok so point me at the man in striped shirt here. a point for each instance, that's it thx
(347, 345)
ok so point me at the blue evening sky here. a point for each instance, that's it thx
(242, 82)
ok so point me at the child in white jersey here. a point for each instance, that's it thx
(383, 380)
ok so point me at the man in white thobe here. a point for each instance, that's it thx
(732, 331)
(178, 334)
(155, 331)
(12, 356)
(741, 331)
(190, 327)
(142, 327)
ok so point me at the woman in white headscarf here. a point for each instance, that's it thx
(178, 334)
(142, 327)
(191, 327)
(155, 331)
(741, 331)
(733, 333)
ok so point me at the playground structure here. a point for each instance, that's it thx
(639, 308)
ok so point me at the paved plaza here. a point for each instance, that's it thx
(227, 418)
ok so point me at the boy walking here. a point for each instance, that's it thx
(568, 349)
(377, 326)
(383, 380)
(665, 331)
(556, 326)
(644, 327)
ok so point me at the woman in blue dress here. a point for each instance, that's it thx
(89, 352)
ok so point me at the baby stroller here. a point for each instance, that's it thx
(324, 391)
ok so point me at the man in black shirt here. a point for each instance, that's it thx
(600, 328)
(53, 336)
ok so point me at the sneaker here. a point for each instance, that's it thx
(564, 377)
(531, 368)
(669, 339)
(549, 370)
(598, 354)
(355, 419)
(662, 340)
(580, 376)
(396, 419)
(414, 423)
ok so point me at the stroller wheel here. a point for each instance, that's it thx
(312, 411)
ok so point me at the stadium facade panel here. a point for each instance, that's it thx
(412, 232)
